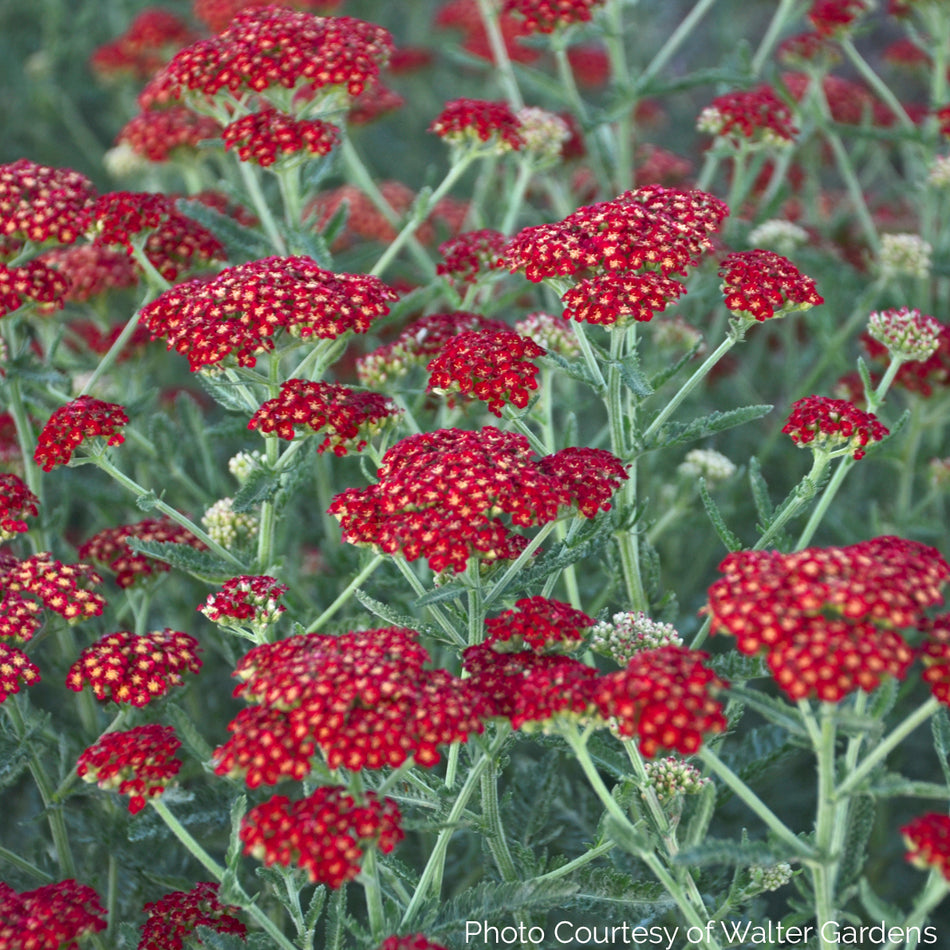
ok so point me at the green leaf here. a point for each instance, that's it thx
(865, 375)
(129, 936)
(439, 595)
(676, 433)
(879, 910)
(892, 784)
(337, 222)
(736, 667)
(184, 724)
(575, 369)
(731, 542)
(940, 727)
(214, 940)
(227, 393)
(185, 558)
(391, 616)
(633, 378)
(760, 493)
(734, 853)
(859, 825)
(667, 373)
(261, 485)
(234, 236)
(147, 501)
(773, 709)
(315, 907)
(14, 758)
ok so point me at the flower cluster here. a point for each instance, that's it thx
(833, 425)
(227, 527)
(545, 16)
(326, 833)
(670, 777)
(39, 203)
(469, 256)
(466, 123)
(139, 762)
(834, 17)
(628, 633)
(238, 311)
(159, 135)
(246, 601)
(275, 47)
(363, 698)
(549, 332)
(935, 653)
(708, 464)
(922, 376)
(770, 877)
(616, 300)
(928, 842)
(146, 45)
(537, 624)
(754, 115)
(440, 495)
(175, 917)
(128, 668)
(762, 285)
(494, 367)
(346, 418)
(16, 503)
(49, 918)
(418, 343)
(266, 136)
(217, 14)
(70, 425)
(16, 669)
(33, 281)
(543, 135)
(827, 619)
(907, 334)
(906, 254)
(110, 547)
(410, 942)
(776, 234)
(91, 270)
(653, 227)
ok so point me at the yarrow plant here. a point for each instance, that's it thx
(437, 380)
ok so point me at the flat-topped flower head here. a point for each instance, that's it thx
(538, 624)
(90, 270)
(161, 135)
(628, 633)
(665, 697)
(270, 136)
(543, 135)
(927, 839)
(346, 418)
(905, 254)
(147, 44)
(127, 668)
(835, 426)
(39, 203)
(620, 299)
(70, 425)
(34, 282)
(16, 503)
(762, 285)
(16, 670)
(749, 116)
(489, 127)
(410, 942)
(776, 234)
(494, 367)
(51, 917)
(925, 376)
(230, 528)
(326, 833)
(139, 763)
(246, 602)
(110, 548)
(217, 14)
(63, 588)
(273, 48)
(173, 919)
(907, 333)
(827, 619)
(418, 342)
(471, 256)
(834, 18)
(590, 476)
(545, 16)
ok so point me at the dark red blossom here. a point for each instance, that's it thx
(928, 842)
(16, 503)
(159, 135)
(925, 376)
(833, 17)
(148, 43)
(545, 16)
(665, 697)
(267, 135)
(470, 121)
(39, 203)
(174, 918)
(617, 299)
(827, 619)
(246, 600)
(217, 14)
(749, 114)
(62, 588)
(19, 618)
(238, 312)
(36, 282)
(935, 653)
(494, 367)
(52, 917)
(469, 257)
(833, 425)
(326, 833)
(128, 668)
(410, 942)
(70, 425)
(275, 47)
(139, 762)
(538, 624)
(90, 270)
(16, 670)
(372, 103)
(346, 418)
(590, 476)
(760, 285)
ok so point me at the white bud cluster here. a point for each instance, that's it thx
(629, 633)
(553, 333)
(770, 878)
(783, 237)
(671, 777)
(229, 528)
(543, 133)
(907, 334)
(939, 174)
(904, 254)
(242, 464)
(708, 464)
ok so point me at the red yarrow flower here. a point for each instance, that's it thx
(760, 285)
(923, 376)
(161, 135)
(470, 122)
(538, 624)
(346, 418)
(618, 299)
(174, 918)
(749, 115)
(133, 669)
(62, 588)
(545, 16)
(935, 653)
(52, 917)
(410, 942)
(827, 619)
(90, 270)
(39, 203)
(267, 136)
(110, 547)
(70, 425)
(494, 367)
(16, 503)
(238, 312)
(834, 17)
(139, 762)
(833, 425)
(148, 43)
(590, 476)
(245, 600)
(326, 833)
(33, 282)
(470, 256)
(928, 842)
(16, 670)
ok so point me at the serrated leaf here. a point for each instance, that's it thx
(865, 373)
(14, 758)
(439, 595)
(736, 667)
(184, 724)
(731, 542)
(385, 612)
(666, 374)
(184, 557)
(337, 222)
(676, 433)
(147, 501)
(261, 485)
(129, 936)
(859, 825)
(892, 784)
(315, 907)
(633, 378)
(227, 393)
(775, 710)
(214, 940)
(233, 854)
(234, 235)
(760, 493)
(940, 728)
(734, 853)
(575, 369)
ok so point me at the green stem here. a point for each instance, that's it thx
(346, 593)
(499, 586)
(500, 53)
(515, 196)
(262, 208)
(825, 869)
(444, 622)
(571, 866)
(620, 81)
(876, 83)
(369, 878)
(803, 493)
(677, 38)
(587, 351)
(157, 283)
(764, 52)
(495, 832)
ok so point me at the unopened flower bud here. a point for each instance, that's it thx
(770, 878)
(904, 254)
(907, 334)
(229, 528)
(708, 464)
(671, 777)
(783, 237)
(630, 633)
(543, 134)
(242, 464)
